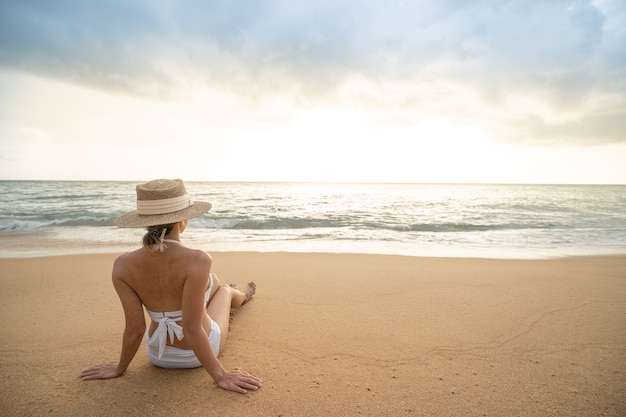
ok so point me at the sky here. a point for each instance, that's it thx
(488, 91)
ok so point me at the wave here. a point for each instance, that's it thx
(288, 223)
(281, 223)
(269, 224)
(339, 223)
(32, 224)
(279, 217)
(471, 227)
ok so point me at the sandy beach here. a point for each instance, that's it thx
(335, 335)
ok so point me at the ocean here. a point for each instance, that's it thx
(40, 218)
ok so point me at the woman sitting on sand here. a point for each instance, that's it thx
(189, 307)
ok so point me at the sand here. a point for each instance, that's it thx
(335, 335)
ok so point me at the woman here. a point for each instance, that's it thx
(188, 306)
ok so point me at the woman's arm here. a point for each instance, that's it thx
(135, 323)
(133, 331)
(194, 311)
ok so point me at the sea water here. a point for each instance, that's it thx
(460, 220)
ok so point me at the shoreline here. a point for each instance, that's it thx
(108, 252)
(20, 245)
(336, 334)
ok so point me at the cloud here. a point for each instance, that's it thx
(605, 128)
(566, 52)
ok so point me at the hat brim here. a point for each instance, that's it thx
(134, 219)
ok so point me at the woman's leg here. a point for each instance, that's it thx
(224, 298)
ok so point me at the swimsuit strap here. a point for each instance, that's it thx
(159, 245)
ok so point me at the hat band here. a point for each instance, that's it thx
(167, 205)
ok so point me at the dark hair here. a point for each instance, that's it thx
(153, 236)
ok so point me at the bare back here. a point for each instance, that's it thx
(159, 278)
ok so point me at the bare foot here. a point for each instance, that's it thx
(249, 291)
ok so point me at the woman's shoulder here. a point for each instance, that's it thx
(197, 263)
(138, 261)
(124, 262)
(199, 255)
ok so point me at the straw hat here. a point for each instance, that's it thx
(162, 202)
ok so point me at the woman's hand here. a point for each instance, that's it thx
(239, 381)
(103, 371)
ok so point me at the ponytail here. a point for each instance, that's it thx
(152, 239)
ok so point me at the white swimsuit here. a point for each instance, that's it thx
(166, 356)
